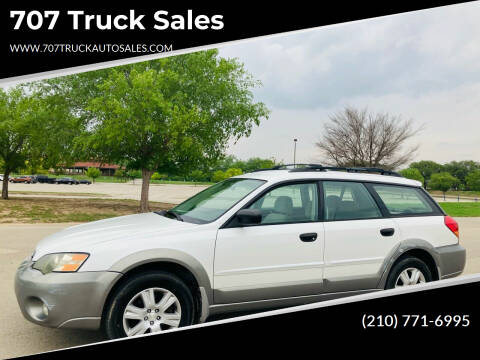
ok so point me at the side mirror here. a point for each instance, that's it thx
(249, 216)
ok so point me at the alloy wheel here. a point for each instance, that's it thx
(410, 276)
(151, 310)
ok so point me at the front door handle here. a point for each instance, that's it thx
(387, 232)
(308, 237)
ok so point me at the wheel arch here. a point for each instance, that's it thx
(423, 255)
(187, 268)
(418, 248)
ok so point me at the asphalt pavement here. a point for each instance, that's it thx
(20, 337)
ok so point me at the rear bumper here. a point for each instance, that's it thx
(451, 260)
(73, 300)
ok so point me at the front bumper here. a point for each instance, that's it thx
(73, 300)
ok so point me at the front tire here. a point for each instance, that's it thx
(407, 272)
(149, 302)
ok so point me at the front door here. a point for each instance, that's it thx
(280, 257)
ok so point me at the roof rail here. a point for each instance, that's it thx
(368, 170)
(319, 167)
(285, 167)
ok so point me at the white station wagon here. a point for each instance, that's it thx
(268, 239)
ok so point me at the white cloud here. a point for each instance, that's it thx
(424, 65)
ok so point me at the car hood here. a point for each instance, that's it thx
(123, 228)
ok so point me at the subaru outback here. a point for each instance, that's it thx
(267, 239)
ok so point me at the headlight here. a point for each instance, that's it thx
(62, 262)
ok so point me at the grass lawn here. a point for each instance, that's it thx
(181, 182)
(54, 210)
(113, 179)
(26, 192)
(107, 179)
(465, 209)
(474, 194)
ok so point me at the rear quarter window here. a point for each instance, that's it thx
(401, 200)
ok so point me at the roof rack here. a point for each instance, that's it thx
(285, 167)
(319, 167)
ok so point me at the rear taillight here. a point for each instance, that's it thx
(451, 224)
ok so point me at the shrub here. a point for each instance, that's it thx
(232, 172)
(157, 176)
(218, 176)
(198, 175)
(412, 173)
(93, 173)
(120, 173)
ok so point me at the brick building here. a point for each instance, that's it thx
(81, 168)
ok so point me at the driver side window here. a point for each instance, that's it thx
(292, 203)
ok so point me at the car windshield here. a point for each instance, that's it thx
(216, 200)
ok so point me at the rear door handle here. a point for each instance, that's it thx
(387, 232)
(308, 237)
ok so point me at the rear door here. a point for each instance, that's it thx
(358, 238)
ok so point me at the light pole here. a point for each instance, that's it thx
(294, 152)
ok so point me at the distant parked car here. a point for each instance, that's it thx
(26, 179)
(86, 182)
(67, 180)
(44, 179)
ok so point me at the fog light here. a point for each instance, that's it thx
(36, 308)
(45, 310)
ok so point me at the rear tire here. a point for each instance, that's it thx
(152, 317)
(407, 272)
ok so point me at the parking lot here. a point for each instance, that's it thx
(20, 337)
(169, 193)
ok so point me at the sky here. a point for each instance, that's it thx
(423, 66)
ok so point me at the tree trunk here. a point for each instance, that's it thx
(146, 175)
(5, 186)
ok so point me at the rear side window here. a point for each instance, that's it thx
(400, 200)
(348, 201)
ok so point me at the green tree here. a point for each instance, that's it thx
(134, 174)
(460, 169)
(218, 176)
(233, 172)
(426, 168)
(198, 175)
(120, 174)
(257, 163)
(412, 173)
(473, 180)
(167, 115)
(226, 163)
(246, 166)
(34, 129)
(442, 181)
(93, 173)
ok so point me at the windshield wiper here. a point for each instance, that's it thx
(169, 212)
